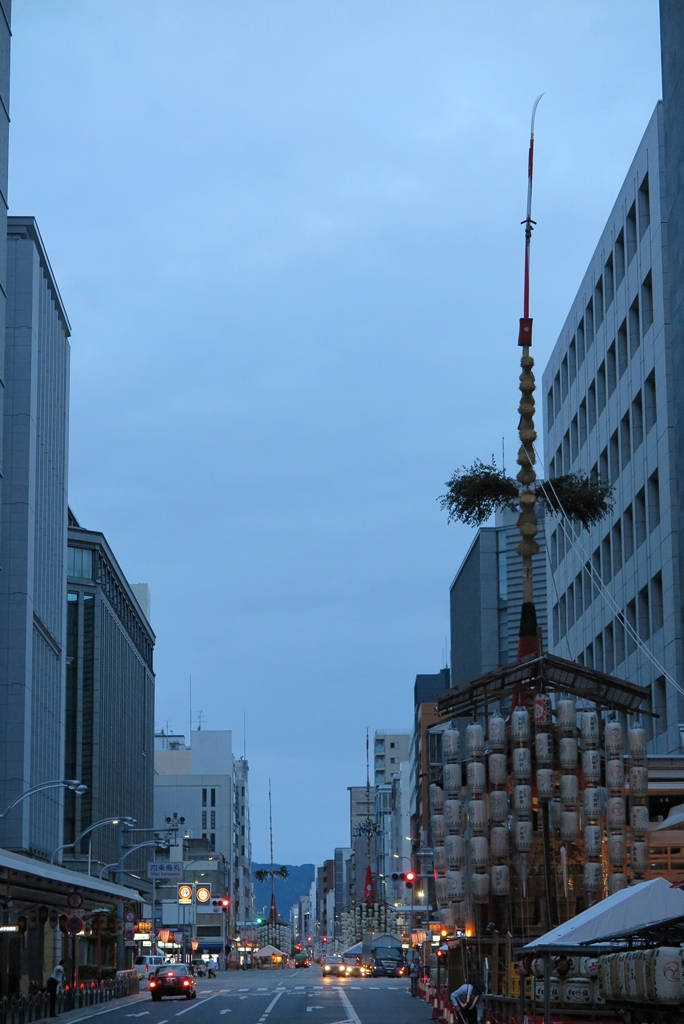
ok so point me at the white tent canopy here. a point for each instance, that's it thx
(675, 819)
(268, 951)
(643, 905)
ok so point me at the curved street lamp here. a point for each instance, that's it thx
(92, 828)
(160, 844)
(79, 788)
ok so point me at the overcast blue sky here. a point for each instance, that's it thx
(287, 235)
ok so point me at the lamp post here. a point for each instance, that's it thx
(157, 843)
(90, 830)
(78, 788)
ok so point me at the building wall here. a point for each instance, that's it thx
(389, 749)
(109, 699)
(608, 401)
(33, 542)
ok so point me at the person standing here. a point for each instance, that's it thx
(469, 1002)
(414, 973)
(54, 983)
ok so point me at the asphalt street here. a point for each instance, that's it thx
(290, 996)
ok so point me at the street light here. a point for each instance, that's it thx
(91, 829)
(78, 788)
(160, 844)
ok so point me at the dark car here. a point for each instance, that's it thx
(335, 967)
(173, 980)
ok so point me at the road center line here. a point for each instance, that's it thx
(353, 1016)
(195, 1004)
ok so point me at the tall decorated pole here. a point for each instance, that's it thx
(527, 520)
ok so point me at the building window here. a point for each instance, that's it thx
(640, 509)
(650, 396)
(617, 548)
(204, 819)
(614, 457)
(625, 441)
(647, 303)
(653, 502)
(607, 561)
(659, 702)
(644, 619)
(80, 563)
(644, 207)
(657, 615)
(589, 323)
(628, 532)
(622, 348)
(608, 653)
(637, 421)
(212, 840)
(634, 339)
(583, 422)
(213, 798)
(608, 278)
(619, 258)
(591, 403)
(572, 360)
(619, 642)
(580, 342)
(630, 616)
(204, 798)
(549, 406)
(598, 303)
(612, 369)
(564, 379)
(601, 387)
(578, 596)
(213, 819)
(631, 233)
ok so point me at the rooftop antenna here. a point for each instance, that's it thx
(244, 735)
(190, 736)
(199, 721)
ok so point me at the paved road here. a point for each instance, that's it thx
(279, 997)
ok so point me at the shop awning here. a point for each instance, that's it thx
(28, 882)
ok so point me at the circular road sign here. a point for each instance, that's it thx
(202, 893)
(130, 916)
(74, 925)
(74, 900)
(184, 893)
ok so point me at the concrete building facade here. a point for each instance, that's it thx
(389, 750)
(610, 391)
(33, 540)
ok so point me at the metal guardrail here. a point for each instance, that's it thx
(24, 1009)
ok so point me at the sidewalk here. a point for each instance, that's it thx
(71, 1016)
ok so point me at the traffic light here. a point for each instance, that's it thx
(225, 903)
(408, 877)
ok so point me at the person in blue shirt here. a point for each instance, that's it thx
(468, 1002)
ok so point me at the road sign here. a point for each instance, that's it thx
(185, 892)
(165, 871)
(129, 917)
(203, 893)
(74, 900)
(74, 925)
(129, 935)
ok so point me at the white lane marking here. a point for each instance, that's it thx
(243, 990)
(310, 1008)
(145, 1013)
(353, 1017)
(269, 1008)
(225, 1011)
(109, 1009)
(195, 1004)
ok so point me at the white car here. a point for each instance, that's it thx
(147, 965)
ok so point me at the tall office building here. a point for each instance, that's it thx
(33, 541)
(389, 750)
(485, 599)
(5, 40)
(109, 735)
(609, 390)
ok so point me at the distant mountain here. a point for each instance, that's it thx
(287, 890)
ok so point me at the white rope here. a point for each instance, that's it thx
(595, 576)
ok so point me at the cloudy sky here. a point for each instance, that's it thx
(287, 235)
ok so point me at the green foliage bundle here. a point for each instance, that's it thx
(475, 492)
(263, 873)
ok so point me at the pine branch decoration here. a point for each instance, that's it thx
(475, 492)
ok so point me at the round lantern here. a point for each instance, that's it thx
(479, 886)
(615, 773)
(567, 714)
(542, 711)
(441, 890)
(453, 816)
(500, 880)
(591, 766)
(520, 725)
(439, 860)
(569, 826)
(497, 770)
(522, 762)
(543, 748)
(545, 783)
(498, 841)
(616, 815)
(436, 799)
(613, 738)
(568, 789)
(478, 814)
(497, 732)
(479, 851)
(638, 818)
(617, 849)
(455, 885)
(639, 856)
(452, 779)
(451, 744)
(591, 802)
(589, 728)
(555, 808)
(438, 831)
(567, 752)
(638, 781)
(592, 840)
(498, 805)
(592, 876)
(636, 740)
(522, 799)
(476, 777)
(454, 847)
(616, 881)
(474, 740)
(523, 835)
